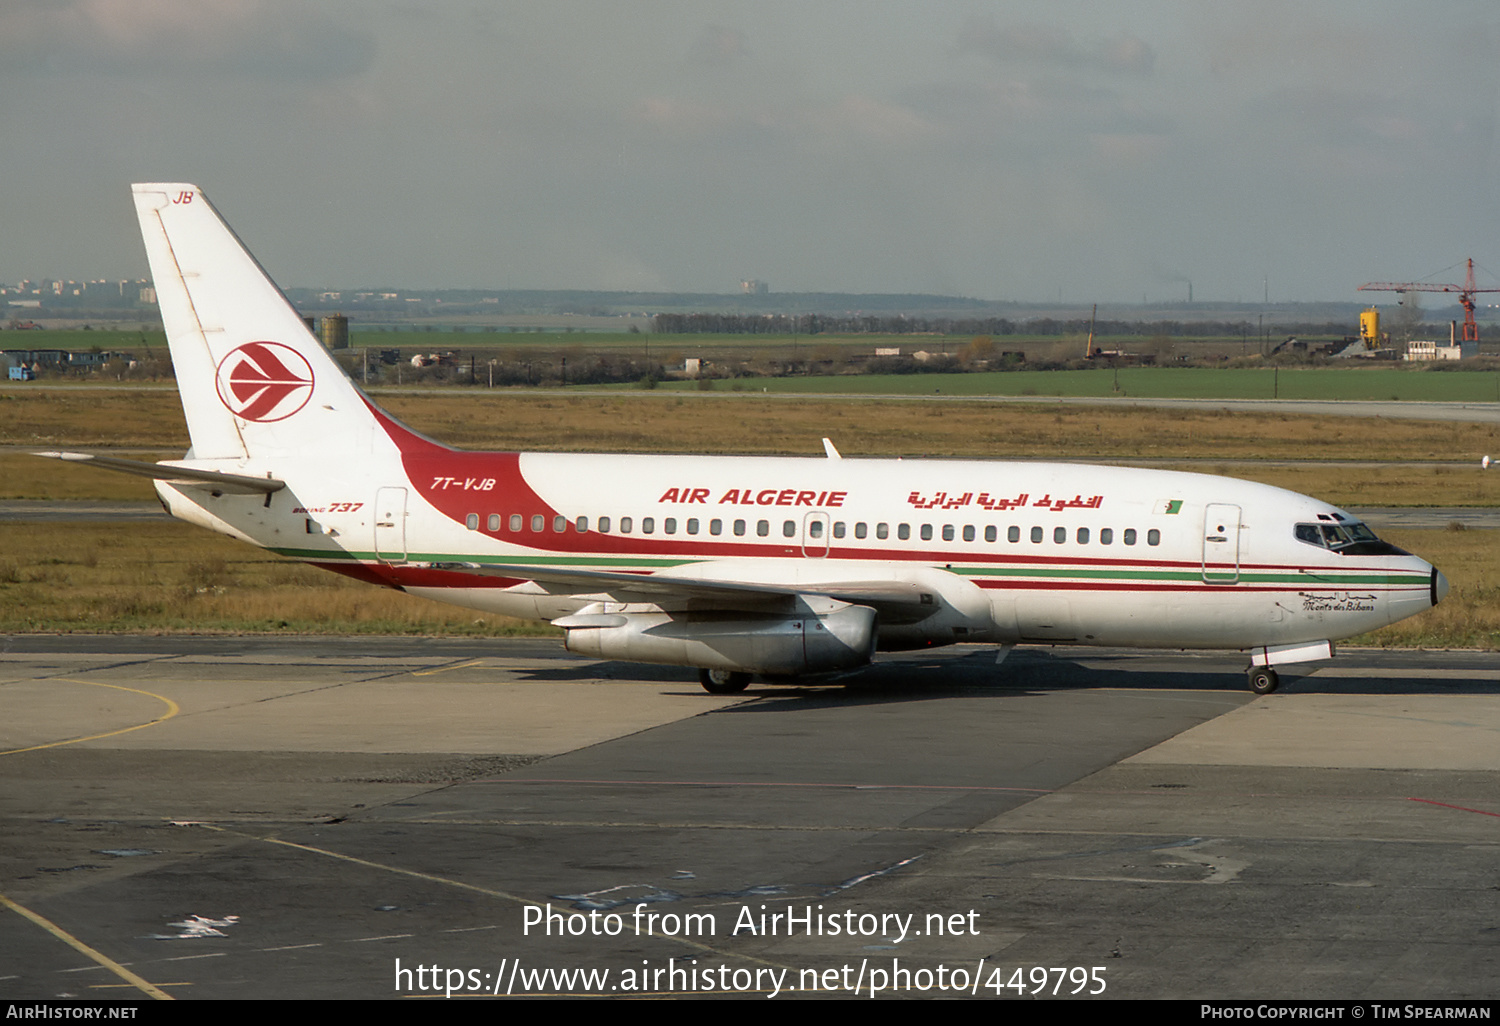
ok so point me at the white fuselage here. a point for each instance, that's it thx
(1013, 551)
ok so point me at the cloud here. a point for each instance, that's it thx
(717, 46)
(1049, 46)
(1127, 55)
(246, 38)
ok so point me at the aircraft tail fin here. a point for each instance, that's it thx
(254, 380)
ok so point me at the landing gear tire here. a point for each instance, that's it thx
(723, 682)
(1263, 680)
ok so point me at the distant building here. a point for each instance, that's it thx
(754, 287)
(1418, 350)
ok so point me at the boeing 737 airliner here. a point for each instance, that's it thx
(733, 565)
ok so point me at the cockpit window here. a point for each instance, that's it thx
(1351, 538)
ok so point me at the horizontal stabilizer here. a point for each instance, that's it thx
(239, 484)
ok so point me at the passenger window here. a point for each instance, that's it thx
(494, 522)
(927, 532)
(838, 528)
(1059, 535)
(990, 534)
(739, 528)
(604, 524)
(1153, 537)
(1083, 536)
(716, 527)
(648, 525)
(968, 532)
(538, 522)
(1036, 535)
(515, 521)
(882, 531)
(1012, 534)
(1129, 536)
(472, 521)
(559, 524)
(789, 528)
(581, 525)
(903, 531)
(624, 525)
(860, 530)
(763, 528)
(1106, 535)
(692, 525)
(948, 532)
(669, 525)
(814, 529)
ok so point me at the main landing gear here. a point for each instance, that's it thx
(723, 682)
(1263, 680)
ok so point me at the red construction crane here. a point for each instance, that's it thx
(1465, 296)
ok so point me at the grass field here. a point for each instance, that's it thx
(1370, 383)
(170, 576)
(1470, 616)
(149, 423)
(151, 418)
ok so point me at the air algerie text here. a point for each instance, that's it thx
(757, 497)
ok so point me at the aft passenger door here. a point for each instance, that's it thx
(1221, 543)
(390, 525)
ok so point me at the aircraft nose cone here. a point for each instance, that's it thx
(1439, 586)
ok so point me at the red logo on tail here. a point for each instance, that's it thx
(264, 381)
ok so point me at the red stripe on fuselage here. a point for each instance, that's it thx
(445, 477)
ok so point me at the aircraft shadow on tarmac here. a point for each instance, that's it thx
(926, 676)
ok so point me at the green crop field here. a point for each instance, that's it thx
(1368, 383)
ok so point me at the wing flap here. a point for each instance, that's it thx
(901, 601)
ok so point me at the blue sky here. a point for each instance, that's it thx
(1079, 151)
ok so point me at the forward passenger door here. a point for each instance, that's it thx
(1221, 543)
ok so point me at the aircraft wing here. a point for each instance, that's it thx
(897, 601)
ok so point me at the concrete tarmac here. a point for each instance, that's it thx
(363, 818)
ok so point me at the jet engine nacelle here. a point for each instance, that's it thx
(774, 643)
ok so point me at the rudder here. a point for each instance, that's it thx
(254, 381)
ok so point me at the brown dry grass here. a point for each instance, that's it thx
(719, 423)
(151, 419)
(170, 576)
(722, 423)
(1470, 616)
(46, 419)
